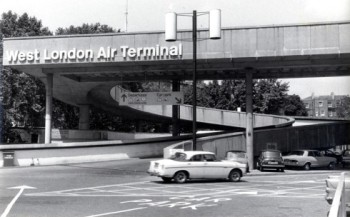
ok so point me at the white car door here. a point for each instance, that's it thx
(213, 168)
(195, 166)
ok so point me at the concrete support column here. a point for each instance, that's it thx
(249, 118)
(48, 112)
(176, 111)
(84, 117)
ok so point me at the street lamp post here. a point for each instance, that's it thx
(214, 33)
(194, 82)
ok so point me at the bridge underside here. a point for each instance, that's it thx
(210, 69)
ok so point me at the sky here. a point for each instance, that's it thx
(148, 15)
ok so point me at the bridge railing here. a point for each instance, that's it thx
(338, 208)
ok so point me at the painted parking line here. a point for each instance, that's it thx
(151, 189)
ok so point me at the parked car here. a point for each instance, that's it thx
(307, 159)
(238, 156)
(271, 159)
(336, 155)
(196, 165)
(346, 158)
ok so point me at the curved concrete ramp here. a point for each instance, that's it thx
(106, 97)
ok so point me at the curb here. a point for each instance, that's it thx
(290, 172)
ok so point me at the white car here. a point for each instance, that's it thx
(196, 165)
(307, 159)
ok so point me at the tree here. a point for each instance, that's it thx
(23, 96)
(294, 106)
(343, 111)
(269, 96)
(86, 29)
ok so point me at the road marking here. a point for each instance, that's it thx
(150, 189)
(87, 188)
(9, 207)
(117, 212)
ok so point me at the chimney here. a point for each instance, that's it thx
(312, 95)
(332, 95)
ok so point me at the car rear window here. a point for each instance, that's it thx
(271, 154)
(179, 156)
(299, 153)
(347, 153)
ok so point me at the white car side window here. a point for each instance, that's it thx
(209, 157)
(197, 157)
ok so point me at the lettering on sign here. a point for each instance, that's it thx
(89, 55)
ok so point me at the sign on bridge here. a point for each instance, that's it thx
(151, 98)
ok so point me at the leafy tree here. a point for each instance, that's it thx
(23, 96)
(85, 29)
(343, 110)
(270, 96)
(294, 106)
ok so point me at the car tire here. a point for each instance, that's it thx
(180, 177)
(307, 166)
(331, 166)
(234, 176)
(261, 169)
(166, 179)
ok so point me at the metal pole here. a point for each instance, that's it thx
(48, 112)
(249, 118)
(194, 85)
(176, 111)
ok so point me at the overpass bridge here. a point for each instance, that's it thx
(82, 70)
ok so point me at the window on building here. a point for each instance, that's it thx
(330, 114)
(307, 105)
(338, 103)
(322, 113)
(320, 104)
(316, 113)
(329, 104)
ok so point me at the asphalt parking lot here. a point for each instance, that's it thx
(122, 188)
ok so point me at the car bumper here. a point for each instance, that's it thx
(280, 166)
(158, 173)
(292, 165)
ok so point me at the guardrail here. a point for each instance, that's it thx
(338, 208)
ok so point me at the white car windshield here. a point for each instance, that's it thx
(299, 153)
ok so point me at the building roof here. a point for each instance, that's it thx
(325, 97)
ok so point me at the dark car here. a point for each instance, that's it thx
(336, 155)
(270, 159)
(346, 158)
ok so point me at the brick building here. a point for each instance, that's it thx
(323, 106)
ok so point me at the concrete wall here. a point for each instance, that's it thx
(41, 154)
(322, 136)
(59, 135)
